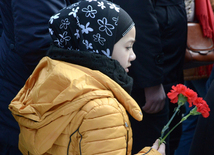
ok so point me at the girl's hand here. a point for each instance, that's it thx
(161, 148)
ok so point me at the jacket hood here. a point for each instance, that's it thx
(44, 99)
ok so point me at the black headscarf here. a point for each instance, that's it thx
(85, 34)
(90, 25)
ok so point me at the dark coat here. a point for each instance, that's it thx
(160, 55)
(172, 21)
(1, 28)
(160, 45)
(146, 69)
(24, 42)
(202, 143)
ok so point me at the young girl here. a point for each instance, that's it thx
(76, 99)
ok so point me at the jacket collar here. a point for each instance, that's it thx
(94, 61)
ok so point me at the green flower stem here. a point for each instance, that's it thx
(183, 119)
(163, 139)
(167, 125)
(181, 101)
(194, 111)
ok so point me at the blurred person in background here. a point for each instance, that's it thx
(24, 41)
(160, 48)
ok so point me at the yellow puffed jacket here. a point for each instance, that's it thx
(67, 109)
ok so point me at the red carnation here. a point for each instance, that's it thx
(202, 107)
(173, 96)
(180, 94)
(175, 91)
(191, 95)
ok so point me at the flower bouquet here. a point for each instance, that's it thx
(180, 94)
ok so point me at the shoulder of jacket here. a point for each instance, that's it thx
(104, 113)
(110, 102)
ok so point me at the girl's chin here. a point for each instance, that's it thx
(127, 70)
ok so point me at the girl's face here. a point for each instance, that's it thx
(123, 50)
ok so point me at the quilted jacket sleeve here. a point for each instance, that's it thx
(106, 129)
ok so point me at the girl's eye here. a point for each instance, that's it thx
(128, 48)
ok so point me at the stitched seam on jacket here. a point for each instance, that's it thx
(70, 140)
(127, 141)
(147, 151)
(80, 142)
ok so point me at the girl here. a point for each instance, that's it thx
(76, 99)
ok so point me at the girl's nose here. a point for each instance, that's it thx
(132, 56)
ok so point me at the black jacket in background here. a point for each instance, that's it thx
(146, 69)
(1, 27)
(161, 30)
(203, 140)
(24, 41)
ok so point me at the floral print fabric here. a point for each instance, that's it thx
(89, 25)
